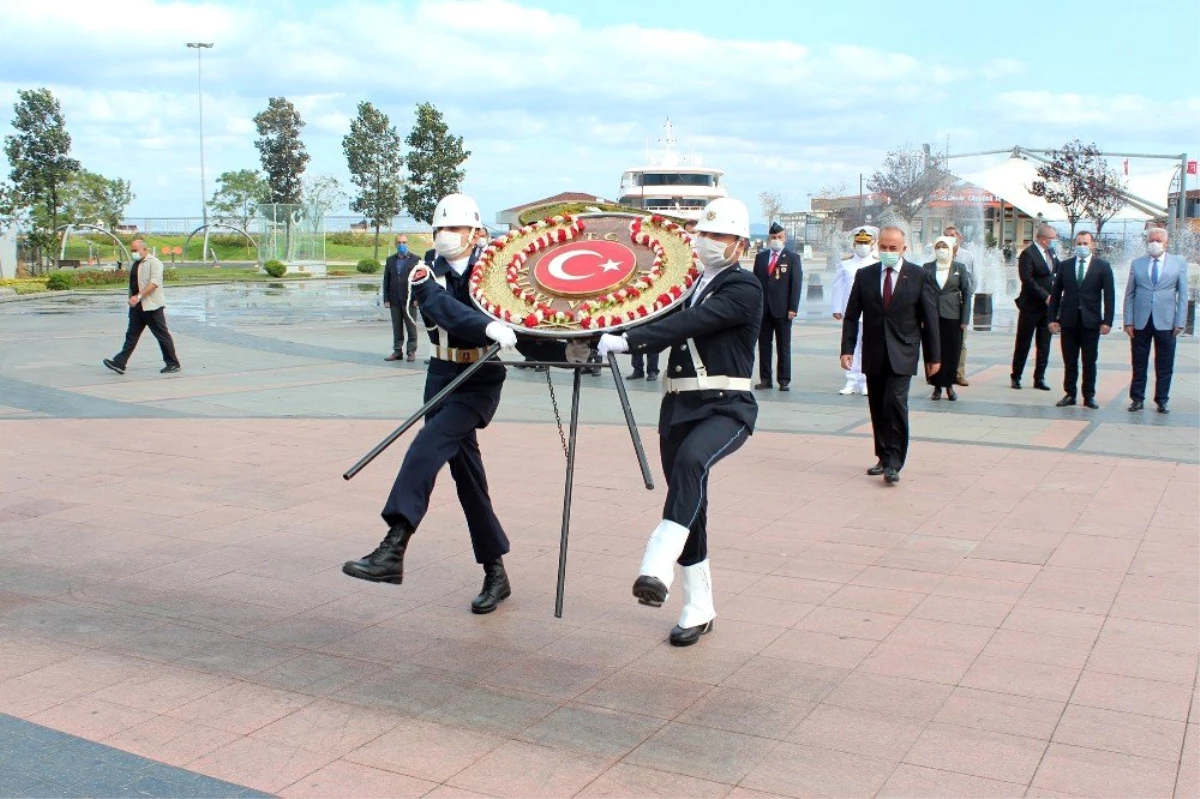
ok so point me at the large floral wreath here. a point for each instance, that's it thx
(501, 288)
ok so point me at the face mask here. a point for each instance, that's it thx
(889, 259)
(1082, 251)
(1155, 248)
(941, 256)
(776, 245)
(402, 249)
(449, 245)
(712, 253)
(137, 256)
(862, 250)
(1052, 246)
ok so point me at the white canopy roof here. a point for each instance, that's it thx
(1010, 179)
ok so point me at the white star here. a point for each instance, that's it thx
(610, 265)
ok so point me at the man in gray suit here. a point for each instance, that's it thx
(1155, 311)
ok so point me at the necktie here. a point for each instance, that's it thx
(887, 287)
(1154, 273)
(1080, 269)
(771, 266)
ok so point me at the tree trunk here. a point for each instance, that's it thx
(377, 240)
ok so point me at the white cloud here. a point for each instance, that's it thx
(543, 101)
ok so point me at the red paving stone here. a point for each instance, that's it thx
(864, 645)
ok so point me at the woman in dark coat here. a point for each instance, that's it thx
(954, 287)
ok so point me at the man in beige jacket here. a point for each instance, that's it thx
(146, 309)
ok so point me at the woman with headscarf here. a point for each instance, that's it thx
(953, 287)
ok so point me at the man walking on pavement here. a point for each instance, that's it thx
(147, 308)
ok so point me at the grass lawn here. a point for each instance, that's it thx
(340, 248)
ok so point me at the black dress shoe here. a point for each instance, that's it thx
(1136, 405)
(784, 387)
(169, 369)
(950, 394)
(1040, 385)
(891, 476)
(1089, 402)
(649, 591)
(116, 367)
(763, 385)
(937, 394)
(651, 375)
(686, 636)
(1015, 383)
(386, 563)
(1065, 401)
(495, 588)
(1162, 408)
(636, 374)
(876, 470)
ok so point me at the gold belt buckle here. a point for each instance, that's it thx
(465, 356)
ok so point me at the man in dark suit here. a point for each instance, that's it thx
(1036, 268)
(1075, 310)
(395, 298)
(779, 271)
(898, 306)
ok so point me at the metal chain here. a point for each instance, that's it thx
(557, 416)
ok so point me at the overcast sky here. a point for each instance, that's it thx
(785, 96)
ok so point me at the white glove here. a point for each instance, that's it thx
(578, 351)
(610, 343)
(502, 334)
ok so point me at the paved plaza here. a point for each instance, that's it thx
(1018, 617)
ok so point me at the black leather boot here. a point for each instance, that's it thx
(386, 563)
(495, 588)
(686, 636)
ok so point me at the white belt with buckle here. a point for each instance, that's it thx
(673, 385)
(456, 355)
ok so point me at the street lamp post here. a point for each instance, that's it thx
(199, 47)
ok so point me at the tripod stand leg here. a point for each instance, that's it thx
(630, 423)
(570, 483)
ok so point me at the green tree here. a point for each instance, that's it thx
(39, 153)
(282, 153)
(96, 200)
(372, 150)
(237, 196)
(434, 162)
(323, 193)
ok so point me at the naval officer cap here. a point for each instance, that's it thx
(775, 228)
(865, 234)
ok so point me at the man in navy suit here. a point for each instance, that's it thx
(1036, 268)
(1155, 312)
(779, 272)
(1079, 286)
(898, 306)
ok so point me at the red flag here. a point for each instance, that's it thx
(1191, 167)
(1125, 165)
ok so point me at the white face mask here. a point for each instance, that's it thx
(862, 250)
(137, 256)
(776, 245)
(942, 256)
(1155, 248)
(449, 245)
(714, 254)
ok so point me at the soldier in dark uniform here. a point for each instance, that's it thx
(708, 409)
(779, 272)
(460, 334)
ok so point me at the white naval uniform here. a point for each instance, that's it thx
(843, 280)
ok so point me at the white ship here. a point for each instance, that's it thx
(671, 184)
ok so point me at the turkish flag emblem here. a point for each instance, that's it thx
(584, 268)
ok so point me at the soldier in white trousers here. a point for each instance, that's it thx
(864, 239)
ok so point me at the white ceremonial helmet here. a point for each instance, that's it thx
(725, 215)
(456, 210)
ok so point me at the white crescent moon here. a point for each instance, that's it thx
(555, 268)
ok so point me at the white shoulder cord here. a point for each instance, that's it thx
(408, 306)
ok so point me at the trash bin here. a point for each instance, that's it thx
(982, 312)
(1191, 318)
(815, 291)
